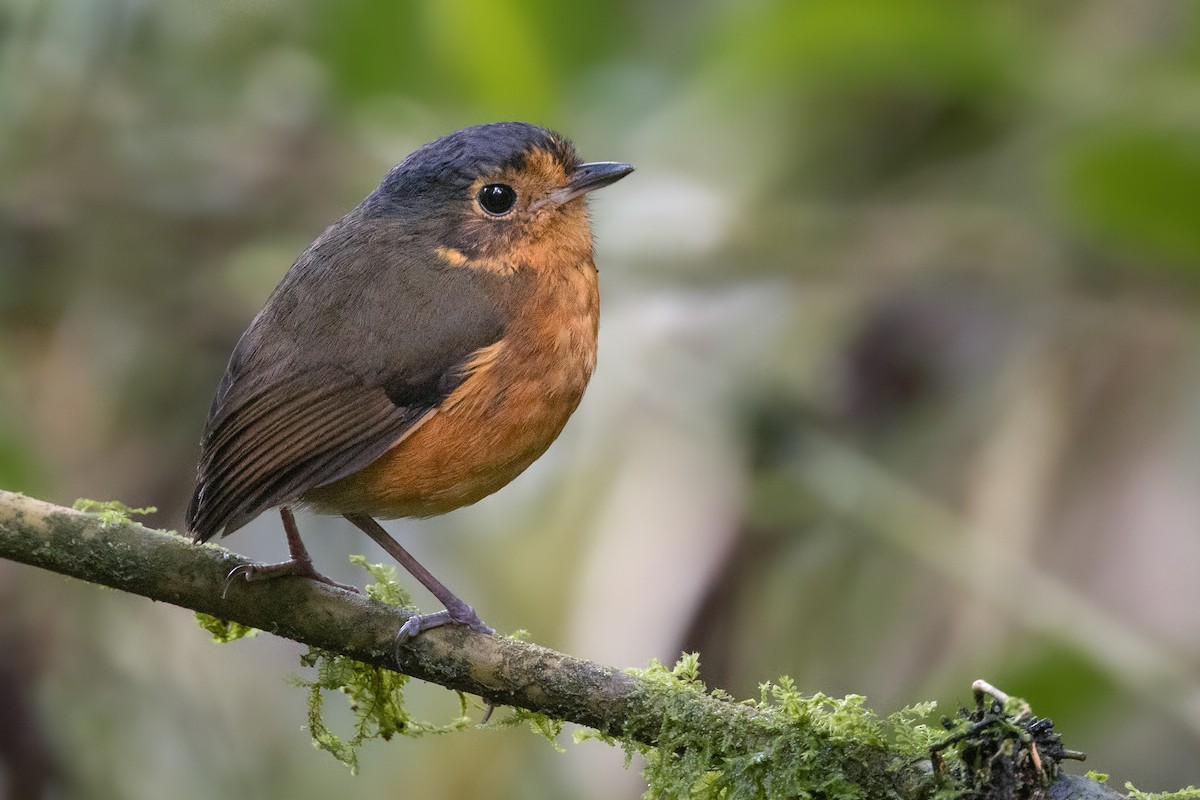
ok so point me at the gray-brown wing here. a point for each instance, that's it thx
(287, 439)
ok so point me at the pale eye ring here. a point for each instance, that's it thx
(497, 199)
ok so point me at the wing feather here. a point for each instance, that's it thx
(268, 454)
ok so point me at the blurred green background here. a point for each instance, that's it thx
(899, 381)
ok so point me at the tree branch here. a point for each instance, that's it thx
(167, 567)
(170, 568)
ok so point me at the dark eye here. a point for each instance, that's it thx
(497, 199)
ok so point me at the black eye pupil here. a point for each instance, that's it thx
(497, 198)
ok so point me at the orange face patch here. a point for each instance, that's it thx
(545, 170)
(539, 232)
(457, 258)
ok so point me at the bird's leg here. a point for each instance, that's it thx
(299, 562)
(456, 610)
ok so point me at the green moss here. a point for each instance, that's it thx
(786, 744)
(224, 631)
(546, 727)
(1190, 793)
(111, 512)
(375, 695)
(386, 589)
(376, 698)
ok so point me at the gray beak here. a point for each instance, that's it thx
(592, 176)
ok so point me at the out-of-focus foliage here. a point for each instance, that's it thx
(1139, 190)
(899, 379)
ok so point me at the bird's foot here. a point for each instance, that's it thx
(301, 568)
(454, 614)
(299, 562)
(456, 611)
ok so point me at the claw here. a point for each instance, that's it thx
(414, 625)
(240, 569)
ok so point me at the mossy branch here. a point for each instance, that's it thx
(637, 708)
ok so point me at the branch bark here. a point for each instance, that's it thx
(170, 568)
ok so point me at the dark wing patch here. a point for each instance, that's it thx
(286, 440)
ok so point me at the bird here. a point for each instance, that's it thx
(419, 355)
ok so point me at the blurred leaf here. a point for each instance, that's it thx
(505, 59)
(1138, 190)
(372, 46)
(496, 52)
(872, 90)
(945, 43)
(18, 472)
(1061, 681)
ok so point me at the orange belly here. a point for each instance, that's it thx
(456, 457)
(516, 398)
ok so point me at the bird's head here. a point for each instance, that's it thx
(500, 196)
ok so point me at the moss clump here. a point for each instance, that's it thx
(376, 695)
(546, 727)
(223, 631)
(785, 744)
(1190, 793)
(376, 698)
(1000, 750)
(111, 512)
(384, 588)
